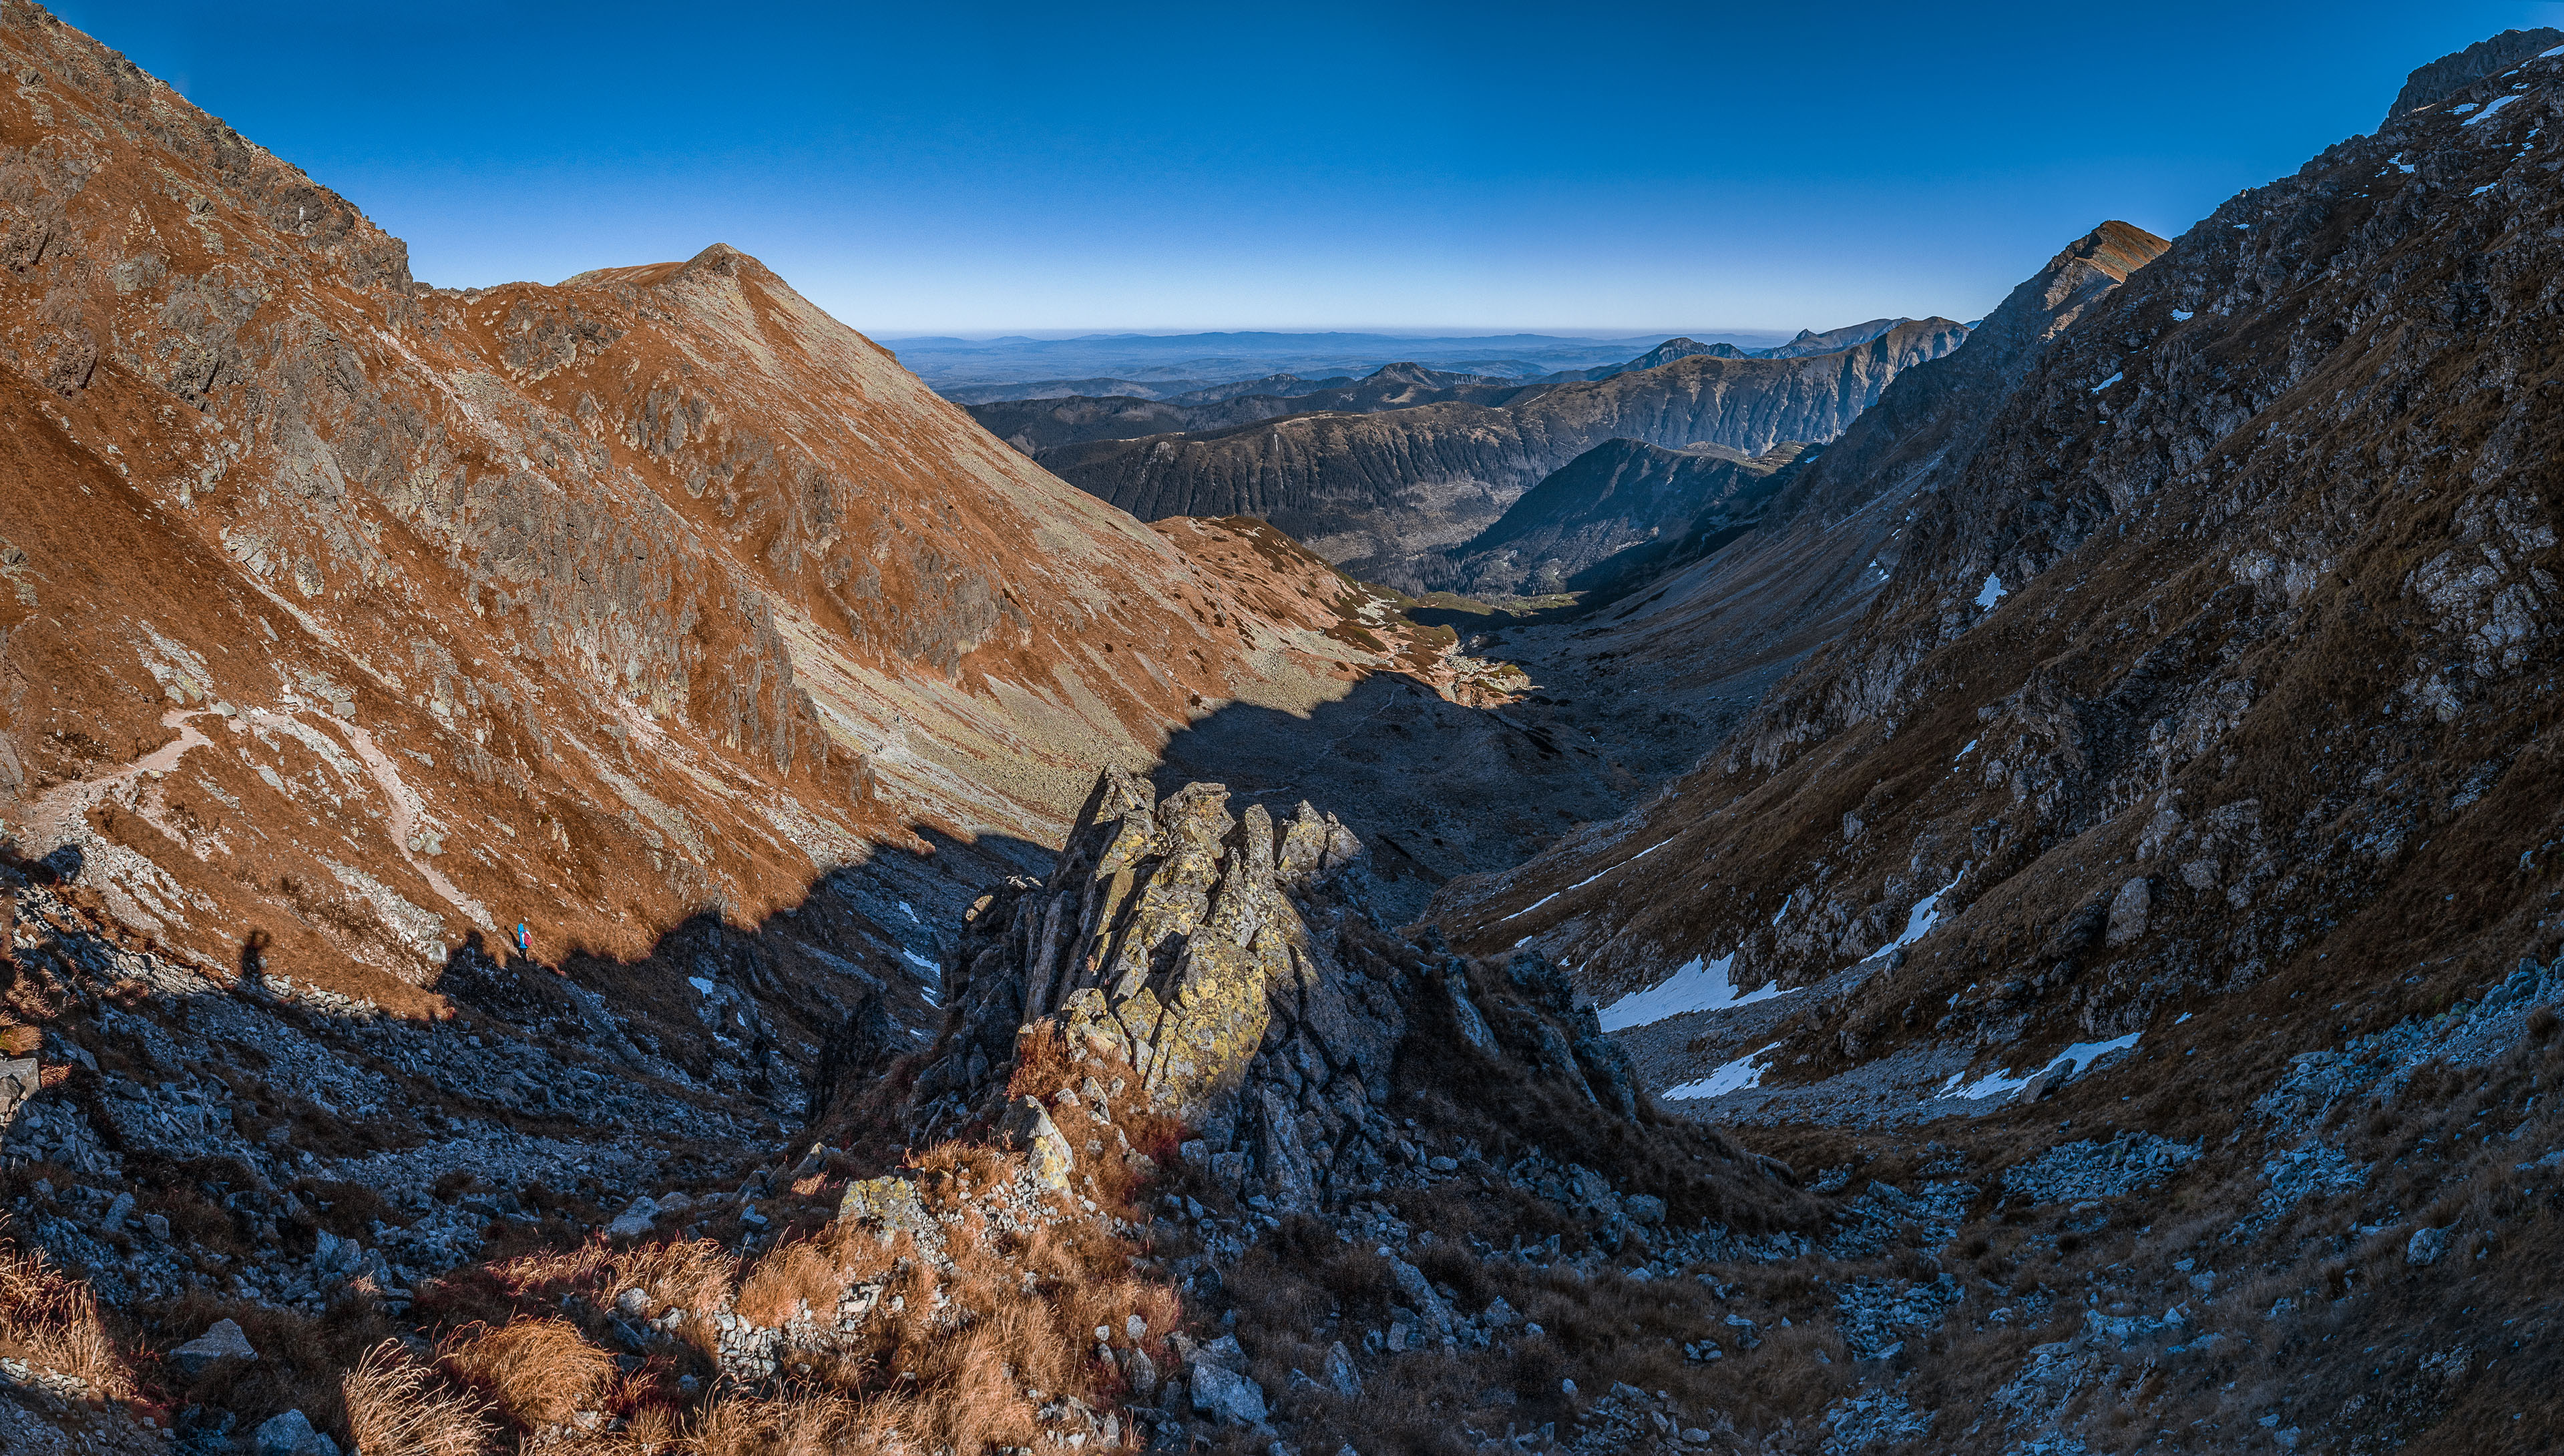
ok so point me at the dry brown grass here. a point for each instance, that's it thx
(396, 1407)
(52, 1322)
(805, 1273)
(540, 1370)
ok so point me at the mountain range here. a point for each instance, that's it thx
(947, 362)
(597, 869)
(1371, 491)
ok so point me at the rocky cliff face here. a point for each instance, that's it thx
(1373, 492)
(351, 617)
(1619, 496)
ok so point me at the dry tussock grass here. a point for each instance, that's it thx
(399, 1408)
(52, 1323)
(540, 1370)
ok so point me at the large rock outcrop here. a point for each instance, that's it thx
(1205, 950)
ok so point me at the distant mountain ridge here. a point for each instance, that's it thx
(1376, 492)
(1033, 426)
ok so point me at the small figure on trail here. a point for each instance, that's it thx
(525, 940)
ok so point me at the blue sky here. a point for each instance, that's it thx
(1622, 168)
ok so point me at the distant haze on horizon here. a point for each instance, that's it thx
(1161, 169)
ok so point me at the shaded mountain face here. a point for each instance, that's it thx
(1037, 425)
(355, 617)
(1619, 496)
(1373, 493)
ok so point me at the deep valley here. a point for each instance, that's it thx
(597, 868)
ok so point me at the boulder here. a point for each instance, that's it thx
(222, 1341)
(889, 1204)
(1141, 1371)
(2426, 1246)
(291, 1434)
(1226, 1396)
(636, 1220)
(1465, 1015)
(1341, 1373)
(1028, 1127)
(1420, 1293)
(2128, 911)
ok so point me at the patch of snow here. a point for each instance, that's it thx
(1993, 593)
(700, 984)
(1785, 908)
(2082, 1054)
(2184, 1016)
(2183, 315)
(1700, 985)
(920, 962)
(908, 911)
(2240, 227)
(1587, 880)
(2489, 112)
(2461, 111)
(2106, 383)
(1964, 752)
(2558, 51)
(1925, 914)
(1735, 1076)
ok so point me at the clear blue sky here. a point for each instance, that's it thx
(1627, 167)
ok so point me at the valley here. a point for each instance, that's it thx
(613, 867)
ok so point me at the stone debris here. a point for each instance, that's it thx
(2098, 1170)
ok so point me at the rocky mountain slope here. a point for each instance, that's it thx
(2100, 995)
(350, 618)
(1372, 493)
(1620, 495)
(2188, 786)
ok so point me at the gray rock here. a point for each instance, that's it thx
(291, 1434)
(1224, 1352)
(1464, 1013)
(2426, 1246)
(223, 1341)
(889, 1203)
(1140, 1370)
(634, 1221)
(2128, 911)
(1644, 1209)
(116, 1212)
(1420, 1293)
(1226, 1396)
(1341, 1373)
